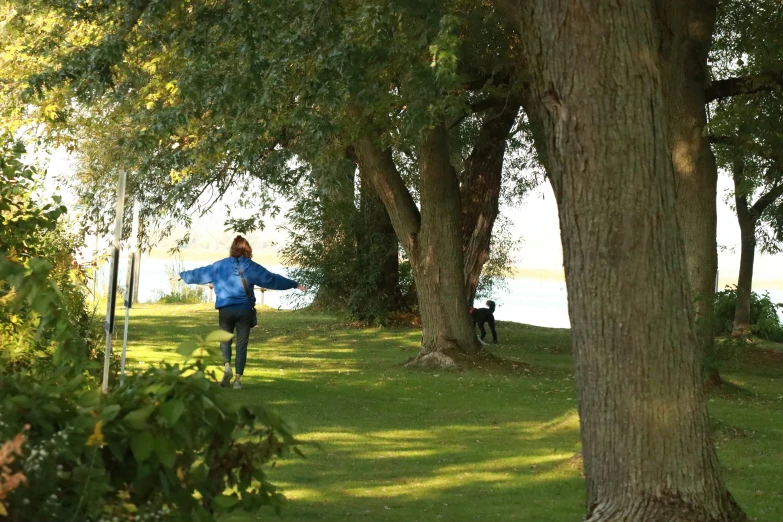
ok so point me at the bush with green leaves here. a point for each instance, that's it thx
(764, 318)
(340, 254)
(33, 234)
(179, 292)
(165, 445)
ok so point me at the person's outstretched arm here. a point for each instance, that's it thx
(198, 276)
(261, 277)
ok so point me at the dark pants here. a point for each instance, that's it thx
(239, 320)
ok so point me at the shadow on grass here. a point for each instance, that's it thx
(407, 445)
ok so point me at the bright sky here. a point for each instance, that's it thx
(536, 223)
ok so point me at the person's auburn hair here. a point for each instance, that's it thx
(241, 248)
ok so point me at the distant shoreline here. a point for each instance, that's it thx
(270, 257)
(197, 254)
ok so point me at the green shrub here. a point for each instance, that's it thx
(182, 294)
(340, 254)
(764, 318)
(179, 292)
(37, 251)
(164, 446)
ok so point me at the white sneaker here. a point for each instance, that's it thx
(226, 380)
(237, 385)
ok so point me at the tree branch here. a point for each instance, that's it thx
(498, 103)
(378, 166)
(480, 190)
(747, 145)
(734, 86)
(740, 199)
(769, 198)
(479, 80)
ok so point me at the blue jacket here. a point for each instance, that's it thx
(224, 275)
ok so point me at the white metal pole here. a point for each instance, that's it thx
(112, 296)
(129, 284)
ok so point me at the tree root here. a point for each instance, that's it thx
(667, 508)
(450, 358)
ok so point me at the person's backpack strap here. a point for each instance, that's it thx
(249, 295)
(244, 283)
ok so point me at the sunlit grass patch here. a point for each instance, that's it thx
(400, 445)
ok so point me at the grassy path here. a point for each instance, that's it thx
(401, 445)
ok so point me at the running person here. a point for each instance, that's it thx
(235, 303)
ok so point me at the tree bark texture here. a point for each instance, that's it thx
(432, 240)
(685, 49)
(747, 223)
(745, 278)
(597, 99)
(480, 192)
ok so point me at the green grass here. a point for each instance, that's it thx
(406, 445)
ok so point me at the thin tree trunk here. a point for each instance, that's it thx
(747, 223)
(695, 171)
(432, 240)
(597, 100)
(748, 217)
(480, 192)
(745, 279)
(137, 268)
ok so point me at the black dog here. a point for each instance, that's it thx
(482, 316)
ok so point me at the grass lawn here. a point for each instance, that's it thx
(407, 445)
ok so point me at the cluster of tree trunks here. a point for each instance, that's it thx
(447, 241)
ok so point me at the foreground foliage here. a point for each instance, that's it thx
(140, 452)
(162, 446)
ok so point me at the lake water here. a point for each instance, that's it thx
(532, 301)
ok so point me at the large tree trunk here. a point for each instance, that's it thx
(598, 104)
(480, 192)
(437, 260)
(695, 171)
(433, 241)
(747, 223)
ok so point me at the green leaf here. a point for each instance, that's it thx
(138, 418)
(218, 336)
(110, 412)
(198, 472)
(21, 400)
(172, 410)
(142, 444)
(187, 348)
(165, 451)
(158, 389)
(225, 501)
(51, 408)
